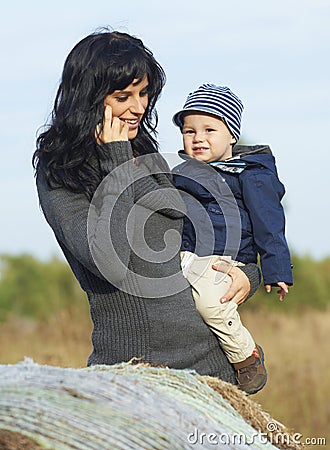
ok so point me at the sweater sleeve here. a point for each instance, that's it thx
(253, 273)
(262, 193)
(94, 233)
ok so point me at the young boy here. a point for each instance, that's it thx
(234, 212)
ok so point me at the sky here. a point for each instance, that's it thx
(275, 55)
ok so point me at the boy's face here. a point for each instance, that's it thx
(206, 138)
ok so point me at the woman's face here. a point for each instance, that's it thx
(129, 104)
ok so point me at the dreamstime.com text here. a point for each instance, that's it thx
(275, 437)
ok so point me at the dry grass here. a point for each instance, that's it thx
(296, 351)
(65, 340)
(11, 440)
(253, 413)
(297, 359)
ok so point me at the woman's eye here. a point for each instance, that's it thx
(144, 93)
(122, 98)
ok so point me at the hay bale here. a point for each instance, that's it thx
(126, 406)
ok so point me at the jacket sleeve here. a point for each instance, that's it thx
(94, 233)
(262, 193)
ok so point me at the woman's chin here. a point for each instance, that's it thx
(132, 134)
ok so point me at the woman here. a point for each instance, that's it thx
(107, 194)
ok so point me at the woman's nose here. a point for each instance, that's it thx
(137, 106)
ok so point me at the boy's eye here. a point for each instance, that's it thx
(188, 131)
(209, 130)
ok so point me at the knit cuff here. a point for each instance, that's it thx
(115, 153)
(253, 272)
(117, 166)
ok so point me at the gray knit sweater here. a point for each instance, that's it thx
(123, 248)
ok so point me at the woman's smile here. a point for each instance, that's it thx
(130, 103)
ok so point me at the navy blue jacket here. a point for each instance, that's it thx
(234, 208)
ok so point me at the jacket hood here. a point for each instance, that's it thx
(254, 154)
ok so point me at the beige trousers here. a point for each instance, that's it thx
(208, 286)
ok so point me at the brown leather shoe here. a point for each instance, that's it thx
(251, 373)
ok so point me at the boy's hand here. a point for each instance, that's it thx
(283, 291)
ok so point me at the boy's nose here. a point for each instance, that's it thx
(199, 136)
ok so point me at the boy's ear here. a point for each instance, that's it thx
(233, 140)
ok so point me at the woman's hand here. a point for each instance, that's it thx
(240, 287)
(112, 129)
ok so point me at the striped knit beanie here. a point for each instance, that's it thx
(217, 100)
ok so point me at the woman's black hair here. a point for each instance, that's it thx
(98, 65)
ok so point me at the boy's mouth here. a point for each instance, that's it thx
(199, 149)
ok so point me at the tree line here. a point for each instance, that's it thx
(36, 289)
